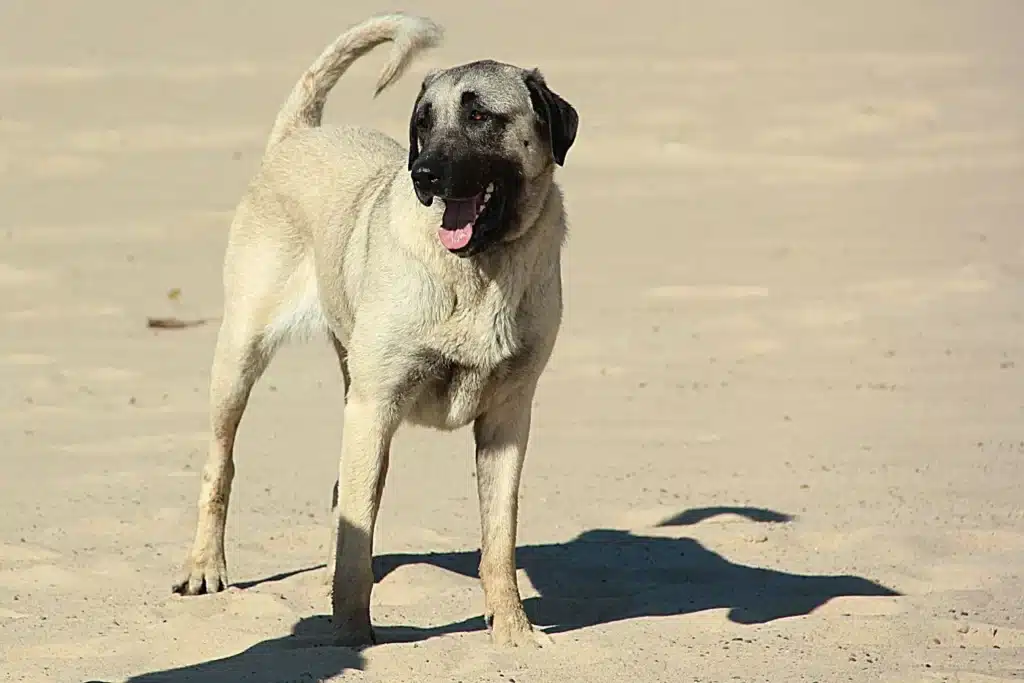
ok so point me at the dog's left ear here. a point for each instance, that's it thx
(558, 116)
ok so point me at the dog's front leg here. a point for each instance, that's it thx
(501, 438)
(369, 427)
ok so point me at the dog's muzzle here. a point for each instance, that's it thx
(475, 198)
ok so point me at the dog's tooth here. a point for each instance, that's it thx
(490, 189)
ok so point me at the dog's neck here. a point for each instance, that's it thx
(546, 201)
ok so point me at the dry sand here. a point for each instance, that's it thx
(782, 436)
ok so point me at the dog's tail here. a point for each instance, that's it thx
(410, 35)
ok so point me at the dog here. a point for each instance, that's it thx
(433, 268)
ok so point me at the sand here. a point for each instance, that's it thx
(781, 438)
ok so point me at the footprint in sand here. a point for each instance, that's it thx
(971, 633)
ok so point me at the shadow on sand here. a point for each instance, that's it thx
(599, 577)
(295, 657)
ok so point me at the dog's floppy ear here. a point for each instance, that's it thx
(558, 116)
(414, 138)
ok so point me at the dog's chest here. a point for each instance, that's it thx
(482, 324)
(469, 357)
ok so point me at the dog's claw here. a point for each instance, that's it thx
(202, 578)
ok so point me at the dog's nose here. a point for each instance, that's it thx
(426, 178)
(426, 181)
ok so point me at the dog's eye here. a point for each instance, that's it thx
(478, 116)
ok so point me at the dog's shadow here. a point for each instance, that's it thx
(606, 575)
(600, 577)
(295, 657)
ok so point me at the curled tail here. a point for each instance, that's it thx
(305, 105)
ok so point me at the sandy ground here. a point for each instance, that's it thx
(782, 436)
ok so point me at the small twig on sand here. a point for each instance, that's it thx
(174, 323)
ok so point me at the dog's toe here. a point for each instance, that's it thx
(201, 578)
(513, 629)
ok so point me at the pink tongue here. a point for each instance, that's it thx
(454, 240)
(457, 223)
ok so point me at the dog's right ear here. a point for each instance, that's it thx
(414, 135)
(414, 138)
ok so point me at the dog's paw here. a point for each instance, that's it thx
(199, 577)
(513, 629)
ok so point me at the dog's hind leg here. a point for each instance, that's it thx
(333, 545)
(239, 361)
(268, 296)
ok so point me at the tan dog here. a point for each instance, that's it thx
(435, 270)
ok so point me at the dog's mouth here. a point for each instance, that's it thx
(464, 216)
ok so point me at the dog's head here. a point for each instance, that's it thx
(484, 138)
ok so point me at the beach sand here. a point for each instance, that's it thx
(781, 437)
